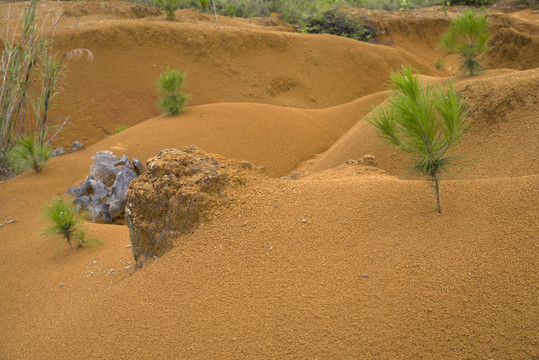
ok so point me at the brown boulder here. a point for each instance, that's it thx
(178, 191)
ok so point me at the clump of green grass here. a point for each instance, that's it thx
(30, 153)
(468, 37)
(426, 123)
(120, 128)
(65, 224)
(171, 85)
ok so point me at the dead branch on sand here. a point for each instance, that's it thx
(8, 222)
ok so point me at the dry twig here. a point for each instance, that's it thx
(8, 222)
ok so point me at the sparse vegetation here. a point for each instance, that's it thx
(405, 6)
(23, 106)
(171, 85)
(439, 64)
(472, 2)
(336, 22)
(444, 7)
(66, 224)
(293, 10)
(29, 153)
(120, 128)
(427, 123)
(169, 6)
(468, 37)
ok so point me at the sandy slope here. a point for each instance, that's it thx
(285, 69)
(374, 272)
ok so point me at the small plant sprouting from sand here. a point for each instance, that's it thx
(171, 85)
(120, 128)
(405, 6)
(439, 64)
(468, 37)
(427, 123)
(169, 6)
(66, 224)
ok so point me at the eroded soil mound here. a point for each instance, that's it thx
(180, 189)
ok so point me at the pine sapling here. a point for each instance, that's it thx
(66, 224)
(425, 122)
(171, 85)
(468, 37)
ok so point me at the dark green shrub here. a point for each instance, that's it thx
(467, 36)
(65, 223)
(169, 6)
(427, 123)
(471, 2)
(337, 22)
(203, 4)
(171, 85)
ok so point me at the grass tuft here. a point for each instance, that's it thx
(65, 224)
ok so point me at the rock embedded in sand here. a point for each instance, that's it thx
(58, 152)
(368, 160)
(77, 145)
(103, 193)
(178, 191)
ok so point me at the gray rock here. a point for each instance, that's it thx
(72, 191)
(104, 167)
(77, 145)
(58, 152)
(103, 193)
(93, 196)
(119, 191)
(138, 167)
(124, 161)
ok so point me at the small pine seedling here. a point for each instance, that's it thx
(439, 64)
(468, 37)
(427, 123)
(169, 6)
(171, 84)
(66, 224)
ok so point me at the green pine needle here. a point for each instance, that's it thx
(468, 37)
(66, 224)
(171, 85)
(425, 122)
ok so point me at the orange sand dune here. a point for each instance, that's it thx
(285, 69)
(373, 271)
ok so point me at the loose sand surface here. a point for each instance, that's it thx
(346, 261)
